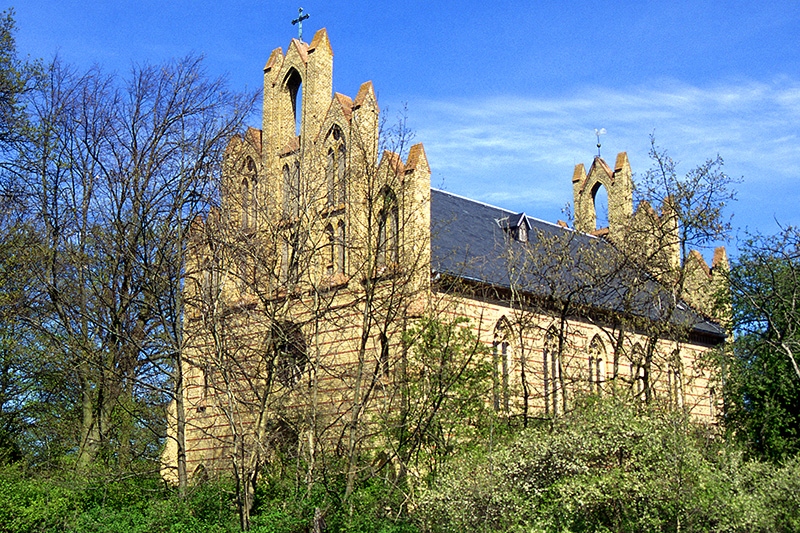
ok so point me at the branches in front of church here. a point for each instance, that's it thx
(112, 177)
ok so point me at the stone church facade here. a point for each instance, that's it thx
(330, 243)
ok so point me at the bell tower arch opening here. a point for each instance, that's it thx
(294, 84)
(600, 205)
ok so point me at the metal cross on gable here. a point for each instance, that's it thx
(299, 21)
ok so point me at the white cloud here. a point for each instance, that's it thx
(525, 148)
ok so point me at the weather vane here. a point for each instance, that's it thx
(601, 131)
(299, 21)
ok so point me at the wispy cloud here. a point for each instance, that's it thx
(505, 148)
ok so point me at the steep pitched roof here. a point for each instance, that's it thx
(470, 240)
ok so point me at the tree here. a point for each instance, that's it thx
(762, 381)
(114, 177)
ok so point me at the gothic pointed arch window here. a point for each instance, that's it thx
(330, 250)
(293, 83)
(341, 174)
(340, 247)
(551, 363)
(597, 364)
(501, 364)
(637, 370)
(288, 351)
(287, 190)
(387, 250)
(335, 167)
(330, 176)
(245, 195)
(675, 380)
(248, 194)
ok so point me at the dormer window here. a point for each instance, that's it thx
(515, 226)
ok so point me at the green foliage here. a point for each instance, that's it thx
(31, 501)
(762, 383)
(610, 467)
(445, 386)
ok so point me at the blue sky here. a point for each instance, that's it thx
(506, 96)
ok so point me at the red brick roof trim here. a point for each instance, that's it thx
(365, 90)
(292, 146)
(695, 256)
(602, 164)
(720, 258)
(302, 49)
(320, 39)
(622, 161)
(254, 136)
(274, 58)
(345, 103)
(394, 161)
(579, 174)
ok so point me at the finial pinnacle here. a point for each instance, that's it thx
(601, 131)
(299, 21)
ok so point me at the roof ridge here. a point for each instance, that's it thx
(510, 212)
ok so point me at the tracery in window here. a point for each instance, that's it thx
(552, 371)
(387, 251)
(335, 168)
(597, 369)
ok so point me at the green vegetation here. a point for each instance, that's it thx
(92, 233)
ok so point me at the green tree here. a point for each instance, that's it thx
(762, 382)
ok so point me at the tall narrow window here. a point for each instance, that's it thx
(287, 191)
(340, 244)
(552, 371)
(638, 370)
(294, 84)
(383, 364)
(245, 195)
(597, 370)
(330, 177)
(296, 190)
(501, 366)
(252, 201)
(341, 175)
(675, 380)
(388, 229)
(330, 250)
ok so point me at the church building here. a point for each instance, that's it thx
(330, 245)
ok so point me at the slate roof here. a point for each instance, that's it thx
(470, 241)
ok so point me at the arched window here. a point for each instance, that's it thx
(252, 201)
(245, 195)
(294, 84)
(340, 244)
(600, 204)
(330, 251)
(675, 380)
(597, 362)
(501, 365)
(335, 167)
(388, 229)
(287, 191)
(637, 370)
(341, 174)
(330, 177)
(552, 371)
(289, 352)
